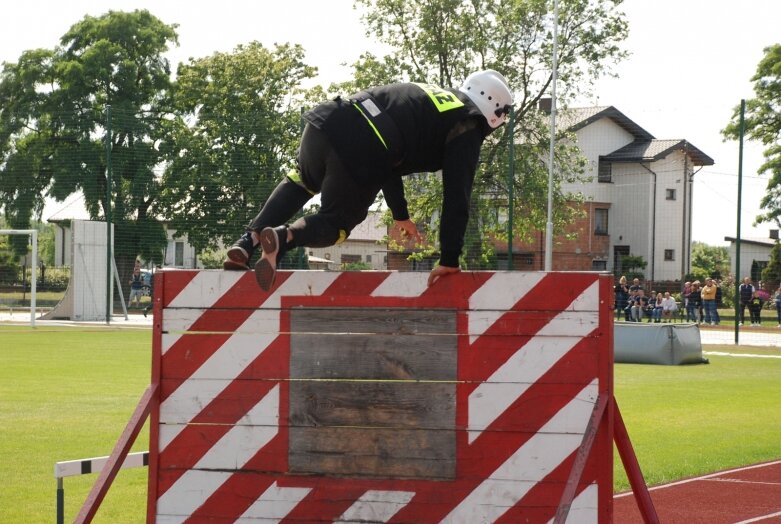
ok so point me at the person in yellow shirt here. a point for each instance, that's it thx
(709, 302)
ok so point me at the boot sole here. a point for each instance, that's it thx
(237, 260)
(266, 267)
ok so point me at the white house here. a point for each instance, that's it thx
(754, 254)
(643, 187)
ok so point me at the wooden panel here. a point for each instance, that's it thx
(375, 320)
(381, 357)
(373, 452)
(384, 404)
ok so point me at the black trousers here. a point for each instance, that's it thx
(344, 203)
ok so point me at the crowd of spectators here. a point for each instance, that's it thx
(699, 302)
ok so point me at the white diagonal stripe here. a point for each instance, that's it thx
(232, 451)
(202, 292)
(584, 508)
(511, 380)
(531, 463)
(244, 346)
(226, 363)
(402, 285)
(275, 503)
(498, 295)
(376, 506)
(206, 288)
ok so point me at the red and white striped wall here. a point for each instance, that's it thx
(532, 355)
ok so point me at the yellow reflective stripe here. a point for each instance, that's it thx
(342, 236)
(294, 176)
(356, 106)
(443, 99)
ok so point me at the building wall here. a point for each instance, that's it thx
(364, 243)
(749, 252)
(640, 215)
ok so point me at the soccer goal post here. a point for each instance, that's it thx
(33, 277)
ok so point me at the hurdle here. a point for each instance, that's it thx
(370, 397)
(72, 468)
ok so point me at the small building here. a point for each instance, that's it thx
(754, 255)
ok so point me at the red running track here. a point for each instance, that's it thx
(751, 494)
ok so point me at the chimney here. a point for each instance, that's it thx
(774, 234)
(545, 105)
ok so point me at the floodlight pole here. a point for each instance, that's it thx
(109, 254)
(554, 76)
(737, 235)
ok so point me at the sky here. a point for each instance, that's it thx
(690, 64)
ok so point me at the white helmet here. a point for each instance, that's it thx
(491, 94)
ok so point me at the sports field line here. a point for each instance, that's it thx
(749, 355)
(704, 477)
(759, 519)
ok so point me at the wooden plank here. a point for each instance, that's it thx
(373, 452)
(373, 404)
(382, 357)
(375, 320)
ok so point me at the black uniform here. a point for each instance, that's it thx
(353, 148)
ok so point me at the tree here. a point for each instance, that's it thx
(772, 273)
(709, 261)
(53, 114)
(238, 119)
(762, 123)
(442, 41)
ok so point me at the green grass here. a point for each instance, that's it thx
(67, 393)
(691, 420)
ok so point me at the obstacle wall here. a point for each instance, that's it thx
(368, 397)
(85, 297)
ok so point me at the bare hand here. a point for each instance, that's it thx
(441, 271)
(408, 229)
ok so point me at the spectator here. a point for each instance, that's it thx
(755, 309)
(640, 306)
(709, 302)
(658, 306)
(630, 303)
(693, 313)
(778, 305)
(136, 286)
(746, 293)
(635, 285)
(669, 307)
(622, 296)
(687, 289)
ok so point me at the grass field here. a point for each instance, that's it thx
(67, 393)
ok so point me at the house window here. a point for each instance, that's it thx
(368, 259)
(179, 254)
(351, 259)
(599, 265)
(669, 255)
(600, 221)
(604, 171)
(670, 194)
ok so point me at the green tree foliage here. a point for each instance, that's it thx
(442, 41)
(632, 267)
(237, 124)
(53, 107)
(709, 261)
(762, 123)
(772, 273)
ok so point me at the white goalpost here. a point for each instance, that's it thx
(34, 235)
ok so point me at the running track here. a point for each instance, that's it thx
(737, 496)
